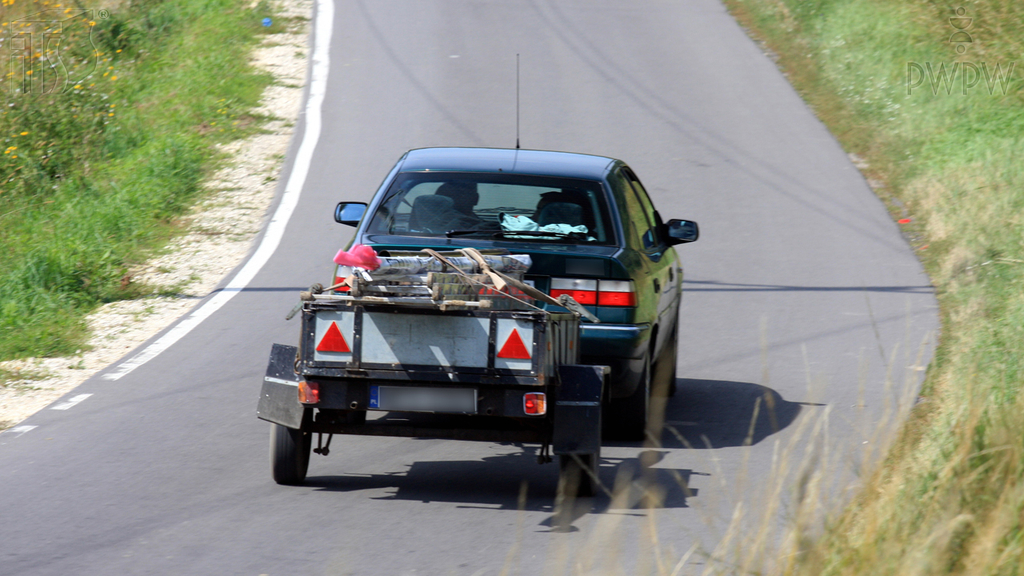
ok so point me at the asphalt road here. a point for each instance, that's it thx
(801, 293)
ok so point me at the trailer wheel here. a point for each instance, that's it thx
(289, 454)
(574, 480)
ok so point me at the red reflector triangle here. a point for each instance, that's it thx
(514, 348)
(333, 341)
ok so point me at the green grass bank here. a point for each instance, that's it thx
(108, 129)
(930, 94)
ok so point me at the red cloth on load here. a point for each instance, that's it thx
(359, 256)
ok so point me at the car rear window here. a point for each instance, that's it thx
(510, 206)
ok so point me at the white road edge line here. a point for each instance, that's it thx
(276, 227)
(71, 403)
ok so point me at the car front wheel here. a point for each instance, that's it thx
(663, 379)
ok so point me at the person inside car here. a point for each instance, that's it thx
(463, 194)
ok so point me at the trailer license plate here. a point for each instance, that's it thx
(414, 399)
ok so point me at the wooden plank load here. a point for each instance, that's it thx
(450, 280)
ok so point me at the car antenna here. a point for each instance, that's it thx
(517, 101)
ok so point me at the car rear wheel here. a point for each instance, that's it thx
(289, 454)
(627, 417)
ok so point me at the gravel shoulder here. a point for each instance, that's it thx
(218, 236)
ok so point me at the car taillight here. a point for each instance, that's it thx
(535, 403)
(616, 293)
(595, 292)
(582, 291)
(309, 392)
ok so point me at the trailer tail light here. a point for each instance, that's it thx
(309, 392)
(616, 293)
(340, 274)
(535, 404)
(582, 291)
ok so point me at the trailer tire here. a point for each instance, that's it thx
(574, 480)
(289, 454)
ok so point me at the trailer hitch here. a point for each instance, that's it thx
(321, 448)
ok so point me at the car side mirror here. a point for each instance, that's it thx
(681, 232)
(349, 213)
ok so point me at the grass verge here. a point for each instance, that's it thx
(108, 134)
(930, 95)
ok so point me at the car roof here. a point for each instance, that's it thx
(507, 160)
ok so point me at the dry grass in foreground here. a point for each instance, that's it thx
(944, 153)
(765, 523)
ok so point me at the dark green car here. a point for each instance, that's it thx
(590, 229)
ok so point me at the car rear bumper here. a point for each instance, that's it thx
(620, 346)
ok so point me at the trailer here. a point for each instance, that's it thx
(436, 345)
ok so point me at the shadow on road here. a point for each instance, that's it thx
(495, 482)
(720, 414)
(718, 411)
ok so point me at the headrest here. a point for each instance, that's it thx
(561, 213)
(432, 203)
(464, 194)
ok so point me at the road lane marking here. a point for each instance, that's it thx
(71, 403)
(289, 200)
(19, 430)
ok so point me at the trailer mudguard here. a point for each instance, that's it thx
(279, 398)
(577, 410)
